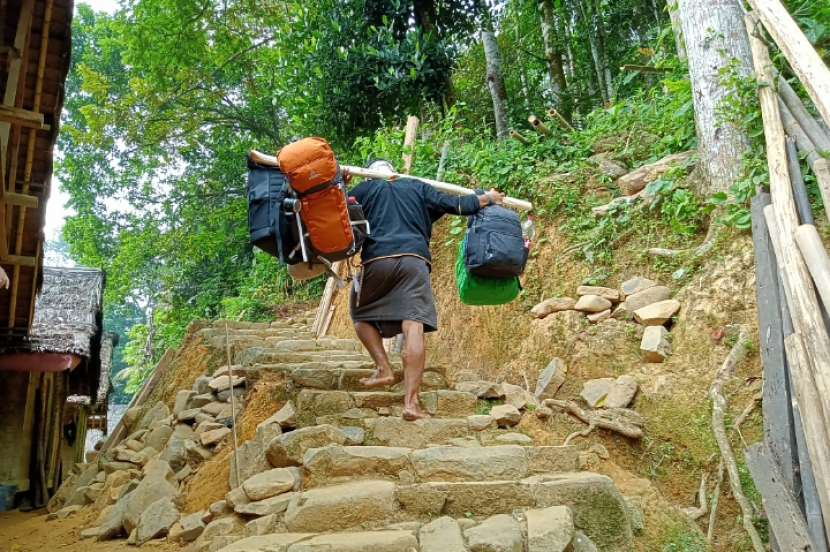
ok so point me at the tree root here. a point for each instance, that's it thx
(622, 420)
(696, 252)
(736, 425)
(710, 532)
(703, 509)
(719, 406)
(628, 201)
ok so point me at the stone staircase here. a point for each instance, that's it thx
(336, 469)
(366, 480)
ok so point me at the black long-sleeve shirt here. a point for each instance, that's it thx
(401, 215)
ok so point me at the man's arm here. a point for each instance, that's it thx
(459, 205)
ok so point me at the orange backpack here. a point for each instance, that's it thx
(316, 182)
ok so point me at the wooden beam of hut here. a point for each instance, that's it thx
(803, 58)
(22, 117)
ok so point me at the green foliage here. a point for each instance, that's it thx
(684, 540)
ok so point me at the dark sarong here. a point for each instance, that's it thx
(393, 290)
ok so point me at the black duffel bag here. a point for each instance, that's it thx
(494, 243)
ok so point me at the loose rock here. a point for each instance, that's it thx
(598, 317)
(222, 383)
(551, 379)
(514, 439)
(156, 520)
(192, 526)
(595, 391)
(285, 417)
(441, 535)
(636, 285)
(182, 399)
(552, 305)
(622, 392)
(506, 415)
(549, 529)
(611, 294)
(657, 314)
(517, 396)
(288, 449)
(592, 303)
(645, 298)
(480, 422)
(655, 344)
(212, 437)
(499, 533)
(267, 484)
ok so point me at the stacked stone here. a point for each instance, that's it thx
(639, 299)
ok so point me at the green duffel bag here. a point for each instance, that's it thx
(483, 290)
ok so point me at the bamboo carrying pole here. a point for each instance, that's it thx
(803, 58)
(446, 187)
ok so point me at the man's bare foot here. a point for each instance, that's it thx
(380, 378)
(412, 414)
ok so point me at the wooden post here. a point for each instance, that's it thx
(805, 61)
(821, 168)
(802, 200)
(538, 125)
(409, 142)
(518, 137)
(801, 297)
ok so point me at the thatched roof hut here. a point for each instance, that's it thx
(68, 312)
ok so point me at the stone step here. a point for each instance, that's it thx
(319, 344)
(597, 507)
(316, 403)
(327, 465)
(270, 356)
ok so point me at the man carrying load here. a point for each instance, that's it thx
(392, 294)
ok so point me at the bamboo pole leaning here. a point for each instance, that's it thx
(821, 168)
(801, 297)
(803, 58)
(809, 125)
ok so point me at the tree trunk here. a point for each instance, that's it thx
(522, 73)
(677, 29)
(711, 27)
(553, 57)
(425, 17)
(599, 23)
(592, 42)
(495, 83)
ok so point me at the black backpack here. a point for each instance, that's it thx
(275, 228)
(494, 243)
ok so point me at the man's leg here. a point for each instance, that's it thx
(414, 358)
(369, 335)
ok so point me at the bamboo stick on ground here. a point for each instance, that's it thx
(555, 115)
(518, 137)
(538, 125)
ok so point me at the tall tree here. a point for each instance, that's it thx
(495, 83)
(718, 46)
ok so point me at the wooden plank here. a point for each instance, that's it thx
(16, 67)
(22, 117)
(801, 296)
(815, 432)
(783, 513)
(18, 260)
(120, 430)
(778, 420)
(821, 168)
(815, 255)
(806, 394)
(24, 200)
(803, 58)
